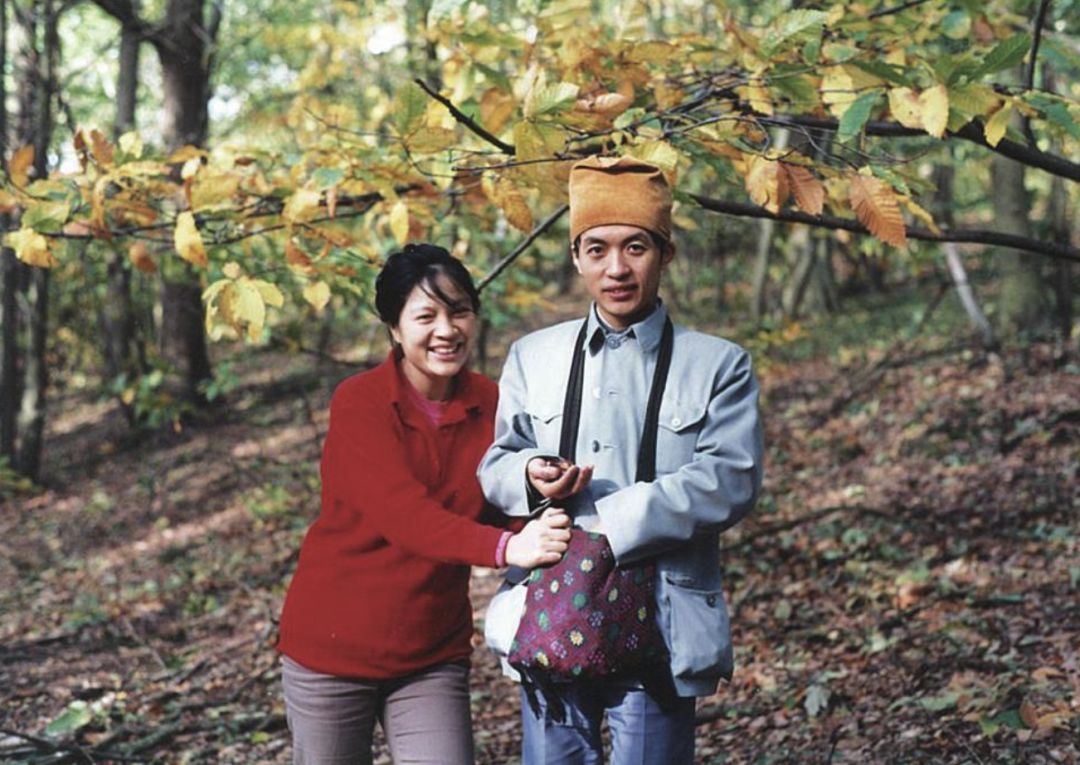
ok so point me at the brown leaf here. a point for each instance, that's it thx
(876, 208)
(140, 258)
(19, 166)
(809, 193)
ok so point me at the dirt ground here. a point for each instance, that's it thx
(908, 590)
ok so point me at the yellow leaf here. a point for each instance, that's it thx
(301, 205)
(191, 167)
(399, 222)
(140, 258)
(837, 90)
(232, 270)
(765, 183)
(928, 110)
(19, 166)
(995, 127)
(317, 294)
(757, 96)
(184, 153)
(904, 107)
(131, 144)
(496, 108)
(188, 242)
(247, 308)
(935, 110)
(7, 202)
(512, 202)
(31, 248)
(876, 208)
(430, 139)
(271, 295)
(659, 153)
(919, 212)
(809, 193)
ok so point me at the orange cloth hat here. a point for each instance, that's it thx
(618, 190)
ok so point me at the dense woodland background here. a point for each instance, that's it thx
(877, 198)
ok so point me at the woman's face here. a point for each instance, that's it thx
(435, 338)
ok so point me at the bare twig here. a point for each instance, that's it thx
(465, 119)
(533, 235)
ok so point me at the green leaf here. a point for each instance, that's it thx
(888, 72)
(412, 103)
(325, 177)
(939, 703)
(77, 715)
(1006, 54)
(554, 97)
(956, 25)
(856, 116)
(1056, 113)
(790, 25)
(46, 217)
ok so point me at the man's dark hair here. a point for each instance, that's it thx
(421, 265)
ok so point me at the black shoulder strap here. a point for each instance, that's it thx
(646, 461)
(572, 402)
(646, 464)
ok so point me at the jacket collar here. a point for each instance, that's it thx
(647, 331)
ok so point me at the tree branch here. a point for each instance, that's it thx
(465, 119)
(536, 232)
(973, 132)
(976, 236)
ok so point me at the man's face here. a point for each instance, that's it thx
(621, 267)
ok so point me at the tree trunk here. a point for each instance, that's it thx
(36, 126)
(1023, 303)
(9, 334)
(766, 234)
(183, 49)
(123, 356)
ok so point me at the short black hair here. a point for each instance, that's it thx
(420, 265)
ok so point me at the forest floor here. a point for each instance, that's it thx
(908, 590)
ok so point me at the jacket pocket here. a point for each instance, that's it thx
(681, 420)
(700, 633)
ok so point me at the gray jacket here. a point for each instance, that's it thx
(708, 466)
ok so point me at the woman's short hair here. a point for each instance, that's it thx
(420, 264)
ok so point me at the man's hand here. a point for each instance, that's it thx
(542, 542)
(557, 479)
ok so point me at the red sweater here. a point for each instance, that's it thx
(382, 586)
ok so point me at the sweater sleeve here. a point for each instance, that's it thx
(368, 467)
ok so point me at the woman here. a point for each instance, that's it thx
(377, 622)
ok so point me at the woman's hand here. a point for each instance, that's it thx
(542, 542)
(557, 479)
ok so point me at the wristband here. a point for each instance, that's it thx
(500, 549)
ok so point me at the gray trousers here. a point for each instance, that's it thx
(425, 716)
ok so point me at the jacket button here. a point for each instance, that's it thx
(596, 446)
(710, 600)
(675, 422)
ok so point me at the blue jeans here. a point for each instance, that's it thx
(641, 733)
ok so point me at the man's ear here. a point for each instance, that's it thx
(574, 257)
(669, 254)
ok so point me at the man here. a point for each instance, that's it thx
(708, 461)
